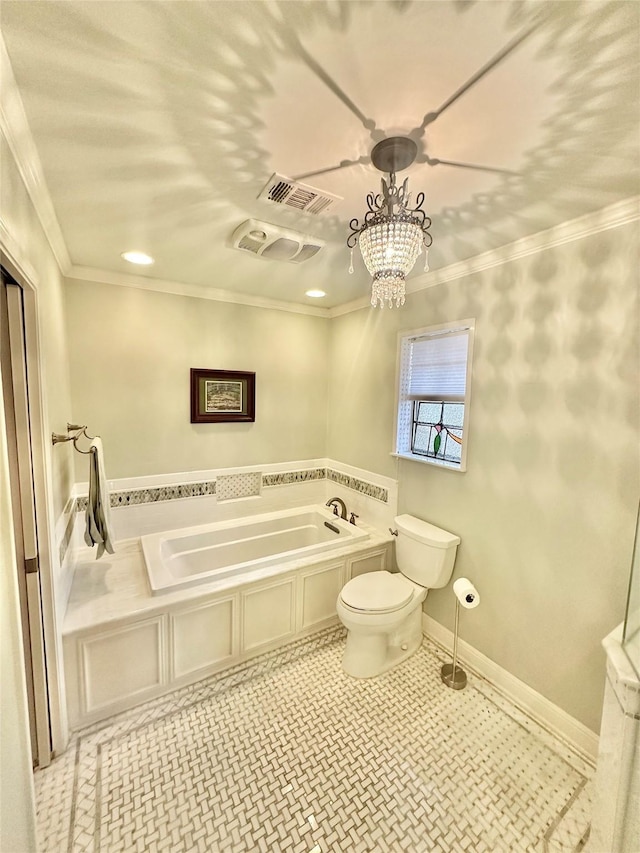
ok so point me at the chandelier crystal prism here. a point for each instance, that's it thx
(392, 233)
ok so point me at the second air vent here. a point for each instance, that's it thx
(281, 190)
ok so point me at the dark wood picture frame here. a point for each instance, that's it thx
(222, 396)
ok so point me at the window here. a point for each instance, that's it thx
(434, 371)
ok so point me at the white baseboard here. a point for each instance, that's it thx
(543, 711)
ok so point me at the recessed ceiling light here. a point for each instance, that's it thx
(315, 294)
(137, 258)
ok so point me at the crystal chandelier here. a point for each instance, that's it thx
(392, 233)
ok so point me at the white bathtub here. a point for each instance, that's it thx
(197, 555)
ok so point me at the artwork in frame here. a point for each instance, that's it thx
(222, 396)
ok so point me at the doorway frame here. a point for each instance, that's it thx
(11, 258)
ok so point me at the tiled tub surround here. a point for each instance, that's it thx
(287, 752)
(197, 555)
(235, 486)
(123, 645)
(227, 493)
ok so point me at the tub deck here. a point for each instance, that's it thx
(116, 586)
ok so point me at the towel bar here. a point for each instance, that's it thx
(79, 429)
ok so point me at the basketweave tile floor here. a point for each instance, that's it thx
(288, 753)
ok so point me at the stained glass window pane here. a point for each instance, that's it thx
(453, 414)
(453, 450)
(421, 439)
(429, 413)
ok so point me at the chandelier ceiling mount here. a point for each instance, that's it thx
(394, 154)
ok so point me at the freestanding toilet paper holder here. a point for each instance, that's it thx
(451, 675)
(467, 595)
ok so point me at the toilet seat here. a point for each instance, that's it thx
(377, 592)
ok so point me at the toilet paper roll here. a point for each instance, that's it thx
(466, 593)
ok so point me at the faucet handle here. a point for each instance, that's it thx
(335, 509)
(352, 520)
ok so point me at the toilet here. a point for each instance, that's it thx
(382, 611)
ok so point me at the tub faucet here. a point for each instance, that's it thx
(334, 504)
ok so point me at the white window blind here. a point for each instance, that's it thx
(438, 367)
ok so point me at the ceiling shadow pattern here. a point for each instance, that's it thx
(150, 119)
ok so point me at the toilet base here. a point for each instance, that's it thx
(367, 655)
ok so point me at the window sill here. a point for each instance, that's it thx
(412, 457)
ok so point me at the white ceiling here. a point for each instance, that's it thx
(158, 123)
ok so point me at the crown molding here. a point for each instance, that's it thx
(14, 257)
(176, 288)
(350, 307)
(15, 129)
(613, 216)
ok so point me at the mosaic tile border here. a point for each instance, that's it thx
(134, 497)
(378, 493)
(286, 478)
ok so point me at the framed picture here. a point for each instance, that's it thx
(219, 396)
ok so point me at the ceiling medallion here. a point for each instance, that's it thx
(392, 233)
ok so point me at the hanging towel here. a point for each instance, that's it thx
(98, 515)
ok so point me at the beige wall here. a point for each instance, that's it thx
(546, 510)
(131, 351)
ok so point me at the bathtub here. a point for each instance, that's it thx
(210, 552)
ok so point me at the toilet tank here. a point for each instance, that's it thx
(425, 554)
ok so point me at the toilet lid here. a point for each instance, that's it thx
(377, 591)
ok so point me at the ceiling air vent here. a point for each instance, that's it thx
(281, 190)
(265, 240)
